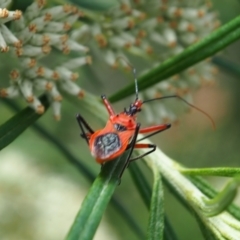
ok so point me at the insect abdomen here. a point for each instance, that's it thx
(106, 145)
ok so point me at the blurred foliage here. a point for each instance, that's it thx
(185, 141)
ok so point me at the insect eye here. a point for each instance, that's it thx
(119, 127)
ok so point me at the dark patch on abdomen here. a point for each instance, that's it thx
(107, 144)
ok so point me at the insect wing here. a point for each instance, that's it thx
(106, 144)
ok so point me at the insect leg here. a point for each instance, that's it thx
(131, 147)
(108, 106)
(143, 145)
(157, 129)
(82, 123)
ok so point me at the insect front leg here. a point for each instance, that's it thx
(155, 130)
(108, 106)
(143, 146)
(131, 147)
(82, 123)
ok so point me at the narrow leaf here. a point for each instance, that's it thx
(100, 5)
(222, 200)
(218, 171)
(11, 129)
(210, 192)
(96, 201)
(156, 218)
(141, 183)
(207, 233)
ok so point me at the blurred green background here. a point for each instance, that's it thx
(40, 192)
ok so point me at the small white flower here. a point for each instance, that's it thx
(34, 35)
(160, 29)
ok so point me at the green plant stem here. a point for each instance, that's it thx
(210, 45)
(208, 235)
(156, 217)
(220, 171)
(211, 193)
(146, 193)
(96, 201)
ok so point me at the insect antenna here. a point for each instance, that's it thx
(189, 104)
(134, 73)
(136, 83)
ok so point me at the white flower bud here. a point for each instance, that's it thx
(54, 93)
(19, 25)
(66, 74)
(26, 87)
(71, 45)
(34, 72)
(110, 58)
(77, 62)
(6, 16)
(42, 84)
(9, 37)
(80, 33)
(57, 27)
(124, 23)
(34, 51)
(56, 106)
(72, 88)
(33, 10)
(57, 12)
(37, 106)
(3, 44)
(40, 39)
(10, 92)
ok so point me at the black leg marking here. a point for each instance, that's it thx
(153, 146)
(82, 123)
(131, 147)
(154, 133)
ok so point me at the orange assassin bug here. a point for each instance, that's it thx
(121, 131)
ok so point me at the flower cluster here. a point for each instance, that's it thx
(33, 36)
(155, 30)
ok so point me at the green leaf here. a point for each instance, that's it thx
(211, 193)
(99, 5)
(141, 183)
(97, 199)
(222, 200)
(11, 129)
(207, 233)
(205, 48)
(145, 192)
(156, 218)
(218, 171)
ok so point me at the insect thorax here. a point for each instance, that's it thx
(105, 145)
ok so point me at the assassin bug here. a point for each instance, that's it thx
(121, 131)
